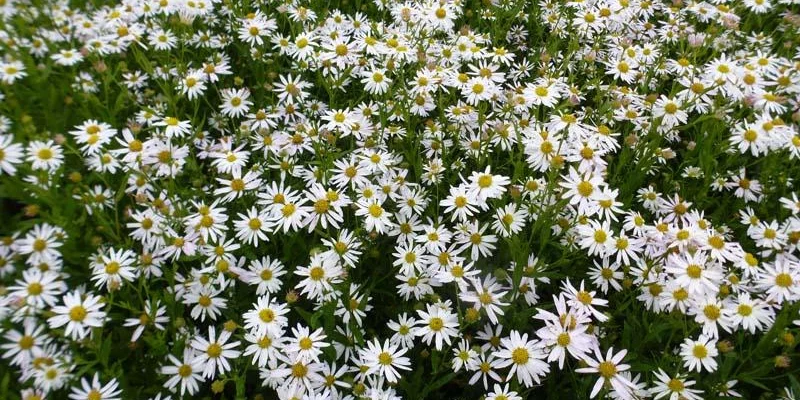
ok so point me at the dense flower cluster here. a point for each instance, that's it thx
(422, 199)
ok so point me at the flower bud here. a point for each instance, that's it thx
(100, 67)
(631, 140)
(724, 346)
(97, 241)
(787, 339)
(218, 386)
(31, 210)
(292, 297)
(627, 283)
(782, 361)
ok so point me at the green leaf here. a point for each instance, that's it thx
(105, 351)
(753, 382)
(304, 314)
(437, 384)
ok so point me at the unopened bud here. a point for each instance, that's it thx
(97, 241)
(100, 67)
(31, 210)
(782, 361)
(627, 283)
(724, 346)
(218, 386)
(788, 339)
(292, 297)
(631, 140)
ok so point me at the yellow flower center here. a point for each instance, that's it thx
(600, 236)
(299, 370)
(135, 145)
(475, 238)
(675, 385)
(185, 371)
(375, 210)
(783, 280)
(266, 315)
(385, 358)
(711, 312)
(214, 350)
(584, 297)
(585, 188)
(77, 313)
(35, 288)
(288, 209)
(744, 310)
(716, 242)
(112, 267)
(700, 351)
(436, 324)
(39, 245)
(607, 369)
(520, 355)
(26, 342)
(44, 154)
(316, 273)
(694, 271)
(321, 206)
(563, 339)
(485, 181)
